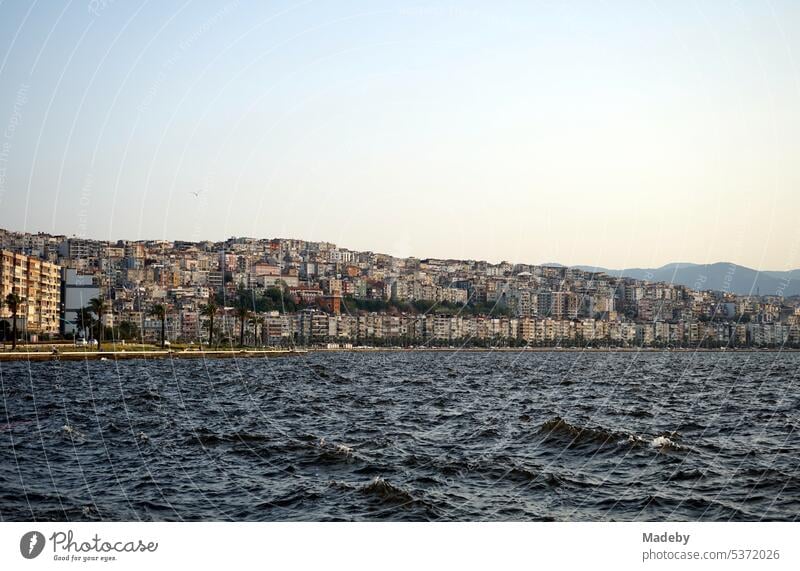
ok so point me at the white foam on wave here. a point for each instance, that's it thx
(662, 442)
(71, 432)
(631, 439)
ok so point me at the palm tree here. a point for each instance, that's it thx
(261, 322)
(209, 310)
(242, 313)
(83, 320)
(97, 306)
(159, 311)
(257, 321)
(13, 302)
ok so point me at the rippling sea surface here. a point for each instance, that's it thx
(404, 436)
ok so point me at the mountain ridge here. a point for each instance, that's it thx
(717, 276)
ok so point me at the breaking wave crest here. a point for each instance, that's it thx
(558, 429)
(387, 491)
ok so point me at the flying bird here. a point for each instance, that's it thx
(196, 194)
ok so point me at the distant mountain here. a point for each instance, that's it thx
(722, 276)
(790, 274)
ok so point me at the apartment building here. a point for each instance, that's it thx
(76, 292)
(38, 284)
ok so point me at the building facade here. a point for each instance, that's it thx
(77, 290)
(38, 285)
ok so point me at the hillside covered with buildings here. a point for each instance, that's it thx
(285, 292)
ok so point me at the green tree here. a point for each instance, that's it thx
(209, 310)
(159, 311)
(242, 313)
(127, 330)
(98, 306)
(258, 325)
(13, 301)
(84, 321)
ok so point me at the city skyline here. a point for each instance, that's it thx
(308, 292)
(620, 136)
(552, 263)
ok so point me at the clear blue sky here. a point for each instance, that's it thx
(609, 133)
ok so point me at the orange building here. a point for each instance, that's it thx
(331, 303)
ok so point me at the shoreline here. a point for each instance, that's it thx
(128, 355)
(273, 353)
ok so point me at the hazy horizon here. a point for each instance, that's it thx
(619, 135)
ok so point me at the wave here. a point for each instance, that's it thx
(324, 373)
(488, 433)
(664, 443)
(147, 395)
(768, 477)
(320, 371)
(206, 437)
(683, 475)
(387, 491)
(290, 500)
(691, 425)
(332, 453)
(71, 432)
(339, 485)
(558, 428)
(523, 474)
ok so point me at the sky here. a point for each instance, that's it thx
(615, 134)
